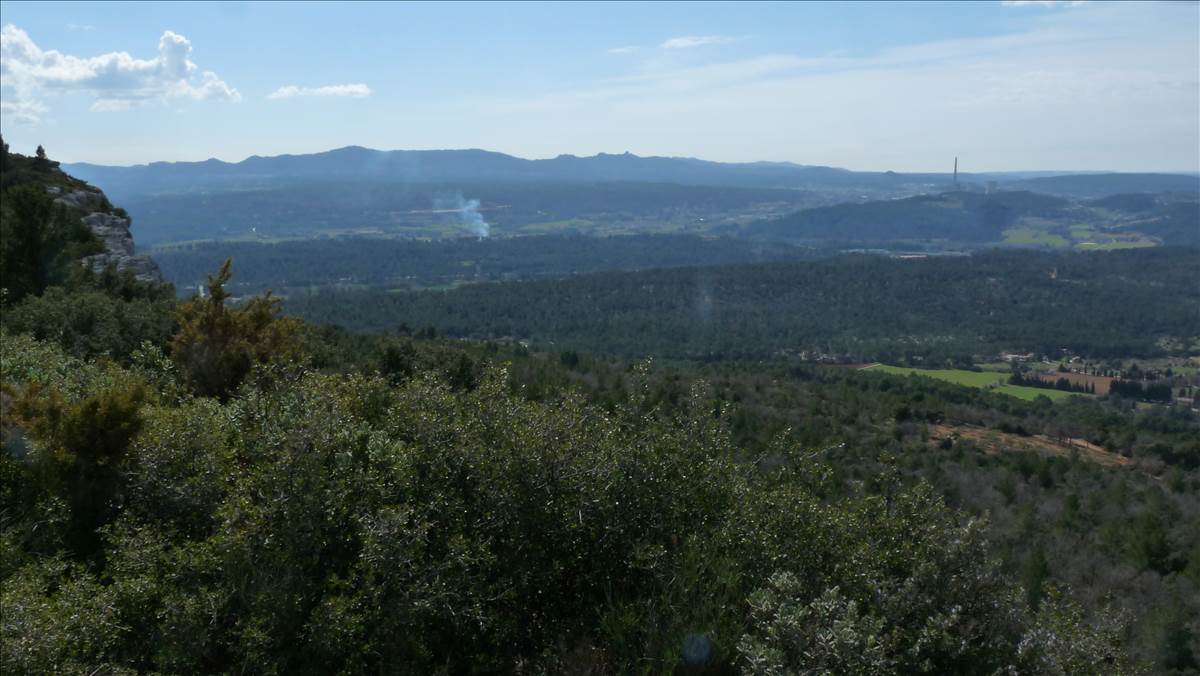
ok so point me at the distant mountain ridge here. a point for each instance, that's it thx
(1101, 185)
(475, 165)
(434, 166)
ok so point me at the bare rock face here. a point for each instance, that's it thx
(86, 200)
(113, 232)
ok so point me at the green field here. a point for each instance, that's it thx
(956, 376)
(1038, 232)
(992, 380)
(1027, 236)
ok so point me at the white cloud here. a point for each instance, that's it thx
(357, 91)
(22, 112)
(117, 80)
(1059, 92)
(82, 27)
(1043, 3)
(111, 105)
(629, 49)
(689, 41)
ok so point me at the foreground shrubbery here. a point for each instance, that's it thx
(321, 523)
(205, 487)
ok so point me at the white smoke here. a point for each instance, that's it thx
(466, 211)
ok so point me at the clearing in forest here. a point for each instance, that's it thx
(994, 381)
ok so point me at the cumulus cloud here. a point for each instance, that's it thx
(22, 112)
(110, 105)
(117, 80)
(356, 91)
(1039, 93)
(689, 41)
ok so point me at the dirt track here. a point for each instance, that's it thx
(996, 442)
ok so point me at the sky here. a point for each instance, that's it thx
(1004, 86)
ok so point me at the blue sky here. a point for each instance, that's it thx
(1005, 86)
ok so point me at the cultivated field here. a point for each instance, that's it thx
(1102, 384)
(990, 380)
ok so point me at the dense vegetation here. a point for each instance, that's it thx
(1178, 221)
(226, 489)
(862, 307)
(40, 240)
(313, 208)
(954, 216)
(971, 218)
(397, 263)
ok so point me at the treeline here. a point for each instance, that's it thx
(405, 263)
(1157, 392)
(1130, 389)
(1114, 304)
(1063, 383)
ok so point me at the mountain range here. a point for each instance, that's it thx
(481, 166)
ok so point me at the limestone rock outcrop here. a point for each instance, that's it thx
(113, 232)
(84, 200)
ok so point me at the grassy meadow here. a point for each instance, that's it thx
(992, 380)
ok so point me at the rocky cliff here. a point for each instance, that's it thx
(111, 227)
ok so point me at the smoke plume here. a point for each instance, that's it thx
(465, 211)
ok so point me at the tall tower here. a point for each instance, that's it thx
(956, 172)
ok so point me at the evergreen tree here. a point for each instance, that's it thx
(32, 236)
(1034, 575)
(216, 346)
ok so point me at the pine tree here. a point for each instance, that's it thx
(216, 346)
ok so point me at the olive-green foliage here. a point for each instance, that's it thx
(81, 444)
(320, 523)
(58, 618)
(216, 346)
(91, 322)
(47, 293)
(892, 580)
(867, 308)
(40, 241)
(940, 611)
(1058, 642)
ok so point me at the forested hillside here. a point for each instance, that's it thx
(400, 263)
(1017, 218)
(1128, 303)
(476, 166)
(204, 485)
(314, 208)
(956, 216)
